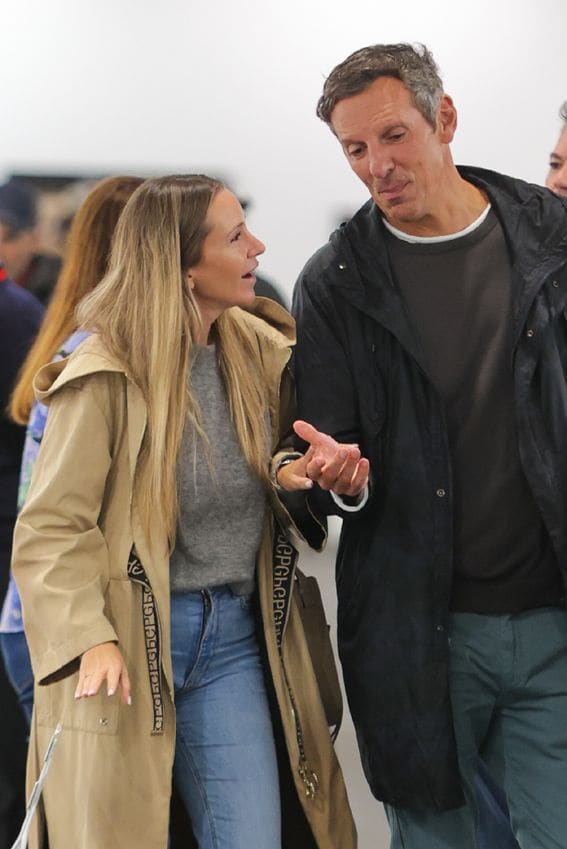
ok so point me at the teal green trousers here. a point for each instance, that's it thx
(508, 684)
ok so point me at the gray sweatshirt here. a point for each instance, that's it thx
(221, 509)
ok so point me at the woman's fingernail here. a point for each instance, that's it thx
(91, 693)
(110, 692)
(129, 700)
(308, 484)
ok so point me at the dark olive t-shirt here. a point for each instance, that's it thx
(457, 294)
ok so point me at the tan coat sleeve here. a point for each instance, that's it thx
(292, 508)
(60, 557)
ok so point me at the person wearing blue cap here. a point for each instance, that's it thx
(24, 263)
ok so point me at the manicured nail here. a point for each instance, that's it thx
(110, 692)
(129, 700)
(308, 484)
(91, 693)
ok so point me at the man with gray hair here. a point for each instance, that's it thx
(432, 332)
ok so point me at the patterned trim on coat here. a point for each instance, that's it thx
(137, 573)
(284, 559)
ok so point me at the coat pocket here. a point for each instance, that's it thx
(56, 703)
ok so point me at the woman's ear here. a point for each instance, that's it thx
(189, 279)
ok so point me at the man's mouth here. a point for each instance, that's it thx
(392, 192)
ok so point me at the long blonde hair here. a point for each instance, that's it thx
(147, 317)
(86, 258)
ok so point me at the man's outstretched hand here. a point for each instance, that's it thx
(334, 466)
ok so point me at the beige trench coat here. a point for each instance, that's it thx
(110, 780)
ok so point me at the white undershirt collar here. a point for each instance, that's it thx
(431, 240)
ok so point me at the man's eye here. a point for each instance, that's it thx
(236, 237)
(554, 166)
(355, 152)
(396, 137)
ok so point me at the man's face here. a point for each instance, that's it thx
(402, 160)
(16, 249)
(557, 176)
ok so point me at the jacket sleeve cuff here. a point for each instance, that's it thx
(63, 660)
(350, 508)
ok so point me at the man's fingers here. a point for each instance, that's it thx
(337, 473)
(360, 478)
(307, 432)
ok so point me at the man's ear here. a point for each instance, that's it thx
(446, 119)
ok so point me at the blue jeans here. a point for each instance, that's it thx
(508, 685)
(18, 669)
(225, 766)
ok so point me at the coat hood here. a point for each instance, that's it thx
(270, 321)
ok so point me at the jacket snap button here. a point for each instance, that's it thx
(439, 628)
(529, 333)
(103, 720)
(342, 266)
(555, 284)
(440, 493)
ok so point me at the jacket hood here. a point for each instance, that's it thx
(270, 321)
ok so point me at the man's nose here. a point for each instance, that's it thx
(379, 162)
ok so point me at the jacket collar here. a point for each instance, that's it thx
(360, 266)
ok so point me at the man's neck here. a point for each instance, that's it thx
(457, 205)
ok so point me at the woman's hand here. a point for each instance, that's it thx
(292, 476)
(103, 662)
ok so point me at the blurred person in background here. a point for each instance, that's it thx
(20, 318)
(557, 174)
(148, 545)
(20, 253)
(88, 250)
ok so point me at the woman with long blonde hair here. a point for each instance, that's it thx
(158, 583)
(88, 249)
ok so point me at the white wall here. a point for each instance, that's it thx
(230, 87)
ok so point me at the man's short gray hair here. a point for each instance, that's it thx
(413, 65)
(563, 113)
